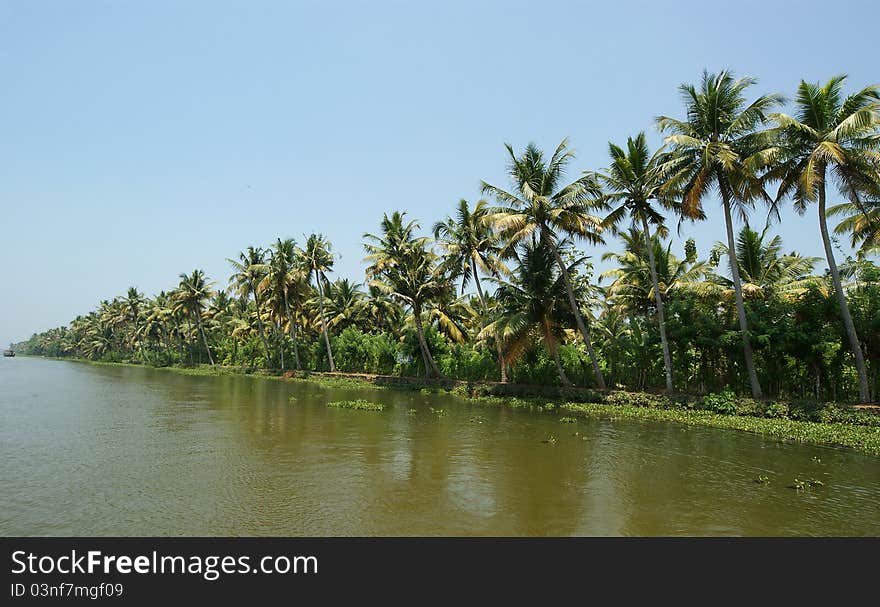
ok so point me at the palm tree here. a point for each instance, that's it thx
(533, 305)
(542, 206)
(763, 268)
(861, 222)
(284, 280)
(836, 137)
(402, 266)
(633, 288)
(345, 303)
(470, 247)
(381, 310)
(249, 271)
(194, 292)
(317, 259)
(719, 147)
(635, 180)
(134, 304)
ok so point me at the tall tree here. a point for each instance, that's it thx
(194, 292)
(635, 180)
(836, 137)
(402, 265)
(541, 205)
(249, 271)
(470, 246)
(719, 147)
(134, 306)
(533, 305)
(317, 258)
(284, 280)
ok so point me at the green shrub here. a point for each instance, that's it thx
(724, 402)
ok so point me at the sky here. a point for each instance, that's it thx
(140, 140)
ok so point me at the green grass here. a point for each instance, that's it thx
(359, 404)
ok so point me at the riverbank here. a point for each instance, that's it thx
(797, 421)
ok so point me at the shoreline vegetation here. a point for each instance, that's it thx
(828, 424)
(498, 299)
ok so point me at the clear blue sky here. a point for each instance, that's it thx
(139, 140)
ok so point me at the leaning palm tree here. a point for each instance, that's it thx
(830, 137)
(317, 259)
(532, 305)
(542, 206)
(402, 266)
(635, 180)
(719, 147)
(194, 292)
(469, 247)
(249, 271)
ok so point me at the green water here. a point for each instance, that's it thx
(93, 450)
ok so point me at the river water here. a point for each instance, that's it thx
(100, 450)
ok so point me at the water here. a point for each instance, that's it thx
(91, 450)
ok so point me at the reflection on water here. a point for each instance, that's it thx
(88, 450)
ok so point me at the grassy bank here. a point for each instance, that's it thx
(825, 424)
(800, 421)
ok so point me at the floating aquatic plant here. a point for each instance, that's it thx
(359, 404)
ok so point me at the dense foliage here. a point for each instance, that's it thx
(502, 291)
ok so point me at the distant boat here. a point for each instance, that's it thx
(8, 352)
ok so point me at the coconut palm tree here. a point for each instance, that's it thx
(763, 268)
(541, 205)
(861, 222)
(194, 292)
(470, 246)
(345, 304)
(836, 137)
(402, 266)
(719, 147)
(284, 281)
(381, 310)
(633, 286)
(634, 182)
(317, 258)
(533, 305)
(249, 272)
(135, 303)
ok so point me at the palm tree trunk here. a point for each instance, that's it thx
(292, 332)
(658, 299)
(192, 361)
(864, 393)
(554, 353)
(600, 381)
(430, 364)
(179, 338)
(740, 307)
(485, 312)
(260, 326)
(324, 322)
(204, 339)
(280, 332)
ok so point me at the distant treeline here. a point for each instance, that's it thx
(502, 290)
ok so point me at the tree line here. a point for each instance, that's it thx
(501, 290)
